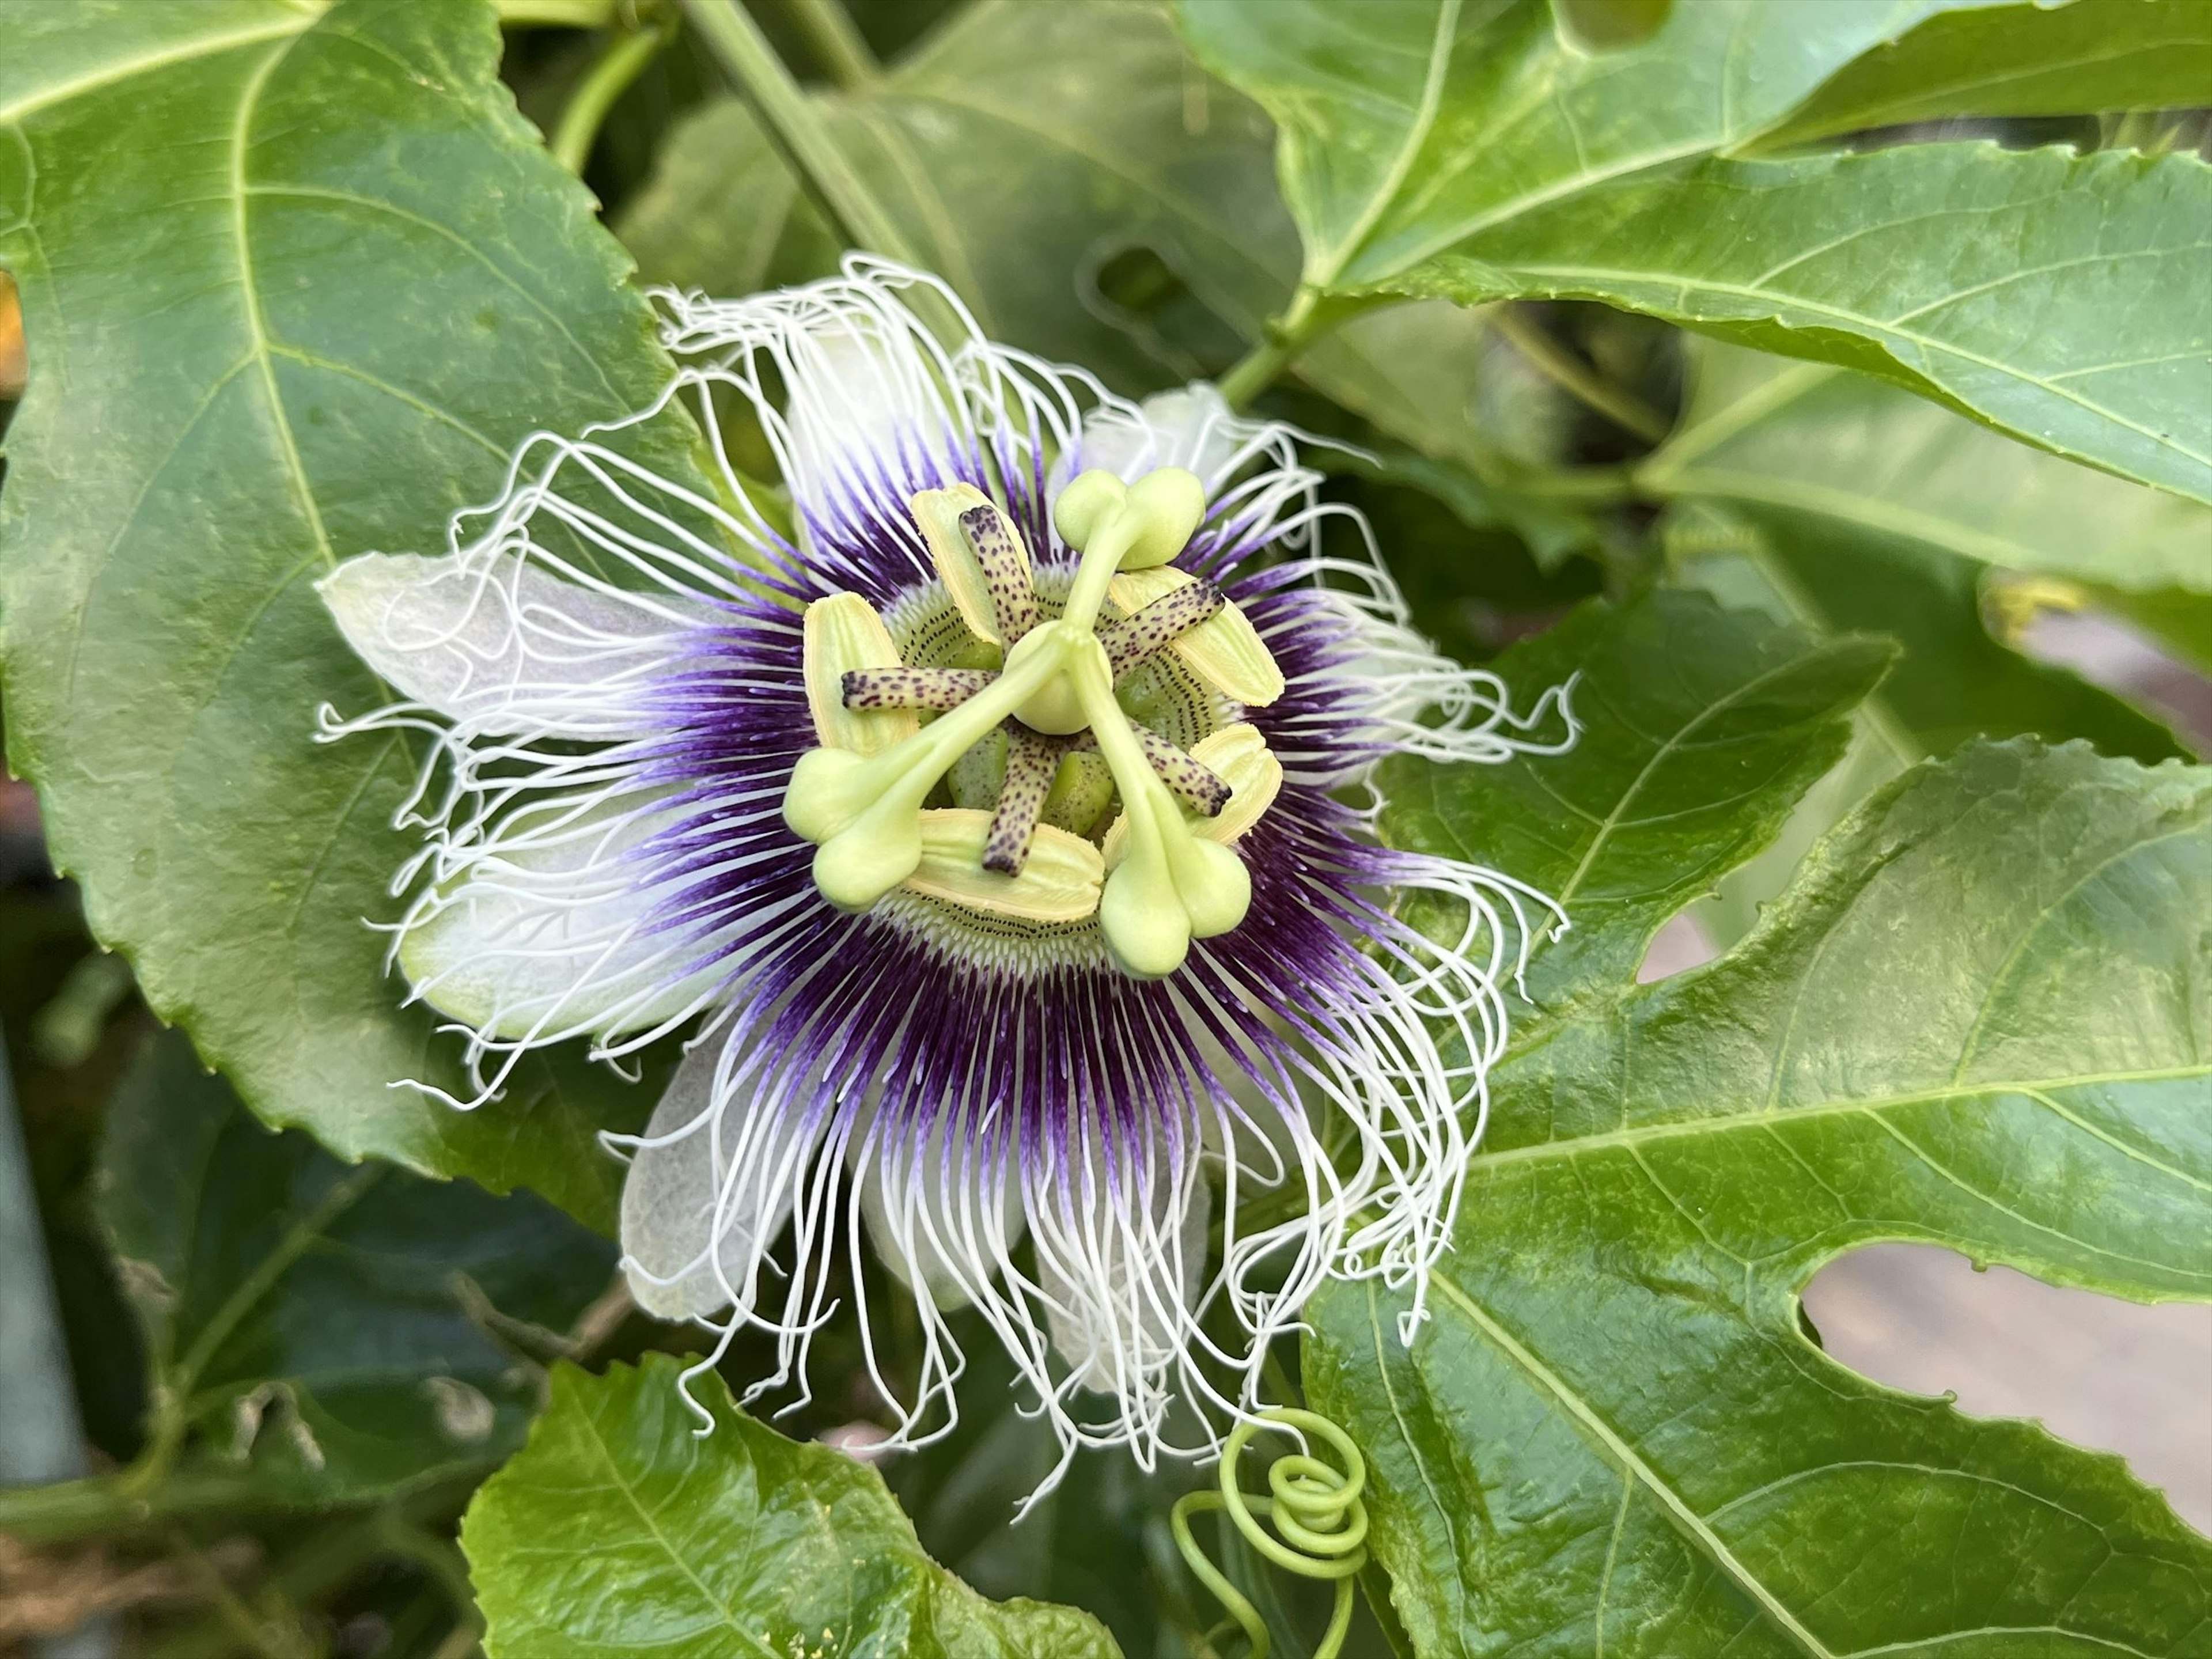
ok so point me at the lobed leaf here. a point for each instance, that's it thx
(2050, 295)
(1029, 150)
(294, 281)
(1701, 729)
(621, 1529)
(1978, 1019)
(1433, 150)
(1408, 127)
(336, 1323)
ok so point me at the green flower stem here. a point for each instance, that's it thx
(1566, 371)
(620, 64)
(835, 42)
(1320, 1522)
(555, 14)
(739, 45)
(1282, 340)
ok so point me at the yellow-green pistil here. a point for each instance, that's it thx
(862, 802)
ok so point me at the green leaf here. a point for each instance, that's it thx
(1953, 681)
(295, 281)
(1978, 1019)
(333, 1321)
(1701, 729)
(1466, 152)
(1409, 126)
(1031, 150)
(1848, 505)
(1761, 433)
(1022, 148)
(2055, 296)
(620, 1529)
(2036, 59)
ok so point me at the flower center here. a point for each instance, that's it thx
(896, 735)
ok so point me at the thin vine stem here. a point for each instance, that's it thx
(1281, 341)
(555, 14)
(835, 42)
(1561, 367)
(619, 65)
(740, 47)
(1319, 1522)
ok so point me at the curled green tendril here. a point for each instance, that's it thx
(1320, 1522)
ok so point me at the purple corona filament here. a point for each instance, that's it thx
(614, 660)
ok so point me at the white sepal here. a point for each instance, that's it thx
(503, 645)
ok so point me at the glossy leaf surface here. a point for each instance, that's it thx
(1438, 149)
(295, 281)
(1701, 729)
(619, 1528)
(1851, 504)
(1408, 127)
(1917, 266)
(1977, 1018)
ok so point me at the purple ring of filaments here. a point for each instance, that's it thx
(825, 996)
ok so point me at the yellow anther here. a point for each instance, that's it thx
(863, 812)
(937, 513)
(1059, 882)
(1239, 757)
(843, 633)
(1226, 650)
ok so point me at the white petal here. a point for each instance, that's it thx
(938, 1216)
(502, 644)
(550, 931)
(715, 1189)
(1193, 428)
(1121, 1288)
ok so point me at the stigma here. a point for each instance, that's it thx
(1041, 751)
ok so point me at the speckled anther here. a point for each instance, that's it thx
(1191, 782)
(913, 688)
(1005, 569)
(1146, 633)
(1032, 760)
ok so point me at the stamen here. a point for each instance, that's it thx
(943, 516)
(1226, 650)
(1005, 568)
(914, 688)
(1147, 632)
(1196, 784)
(1031, 761)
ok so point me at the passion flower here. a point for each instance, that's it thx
(987, 793)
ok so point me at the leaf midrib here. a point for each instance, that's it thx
(1724, 1121)
(114, 75)
(1685, 1518)
(1674, 742)
(1878, 329)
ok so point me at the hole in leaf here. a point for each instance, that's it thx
(2106, 651)
(1682, 943)
(2097, 1371)
(1135, 289)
